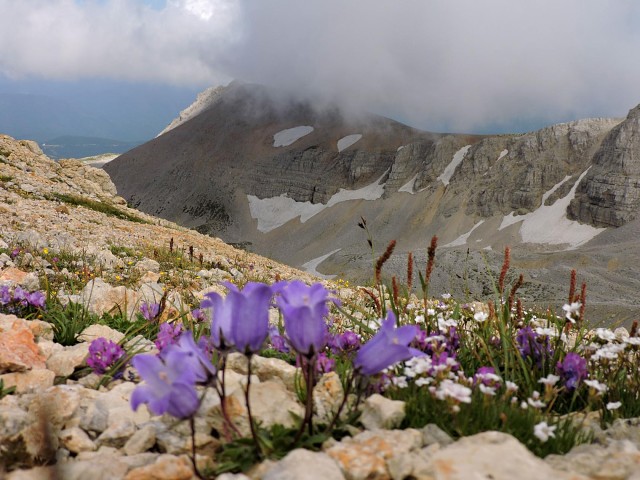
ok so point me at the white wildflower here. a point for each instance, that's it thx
(431, 312)
(633, 341)
(450, 389)
(571, 309)
(480, 317)
(486, 389)
(511, 387)
(597, 386)
(444, 325)
(605, 334)
(613, 405)
(400, 382)
(420, 382)
(550, 380)
(535, 401)
(446, 296)
(546, 332)
(524, 405)
(544, 431)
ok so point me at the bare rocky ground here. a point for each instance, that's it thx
(52, 427)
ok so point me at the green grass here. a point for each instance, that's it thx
(101, 207)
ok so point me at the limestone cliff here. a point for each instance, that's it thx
(610, 193)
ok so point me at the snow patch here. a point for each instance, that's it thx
(286, 137)
(346, 142)
(451, 168)
(462, 239)
(408, 187)
(311, 265)
(503, 153)
(274, 212)
(549, 223)
(511, 218)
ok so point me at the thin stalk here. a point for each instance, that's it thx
(254, 434)
(342, 404)
(223, 399)
(308, 411)
(192, 424)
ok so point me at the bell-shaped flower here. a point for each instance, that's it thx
(390, 345)
(196, 359)
(241, 319)
(169, 387)
(304, 309)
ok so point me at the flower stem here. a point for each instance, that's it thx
(223, 402)
(342, 404)
(254, 434)
(192, 424)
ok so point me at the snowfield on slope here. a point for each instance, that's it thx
(286, 137)
(346, 142)
(274, 212)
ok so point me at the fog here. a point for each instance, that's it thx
(461, 65)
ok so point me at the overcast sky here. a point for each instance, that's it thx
(449, 65)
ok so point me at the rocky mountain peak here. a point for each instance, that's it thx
(610, 193)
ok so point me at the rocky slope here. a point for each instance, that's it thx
(547, 193)
(55, 426)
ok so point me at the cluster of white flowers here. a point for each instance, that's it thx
(450, 389)
(597, 386)
(571, 310)
(543, 431)
(549, 380)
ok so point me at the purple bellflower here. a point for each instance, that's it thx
(390, 345)
(572, 370)
(304, 309)
(169, 387)
(241, 319)
(36, 299)
(196, 359)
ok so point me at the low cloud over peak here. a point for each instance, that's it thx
(456, 66)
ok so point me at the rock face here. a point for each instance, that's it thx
(610, 193)
(222, 153)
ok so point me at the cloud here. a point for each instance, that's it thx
(121, 39)
(459, 65)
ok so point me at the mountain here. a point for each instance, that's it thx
(291, 179)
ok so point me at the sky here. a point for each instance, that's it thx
(447, 65)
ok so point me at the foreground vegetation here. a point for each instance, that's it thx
(466, 367)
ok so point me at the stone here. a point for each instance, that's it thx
(107, 260)
(166, 467)
(380, 412)
(29, 381)
(327, 397)
(147, 265)
(300, 464)
(432, 434)
(99, 467)
(364, 456)
(264, 368)
(64, 362)
(12, 275)
(119, 431)
(141, 441)
(18, 350)
(617, 460)
(100, 297)
(491, 455)
(96, 331)
(76, 440)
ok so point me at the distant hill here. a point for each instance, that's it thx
(80, 147)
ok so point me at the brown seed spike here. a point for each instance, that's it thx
(381, 261)
(431, 258)
(572, 287)
(505, 269)
(634, 329)
(410, 272)
(394, 286)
